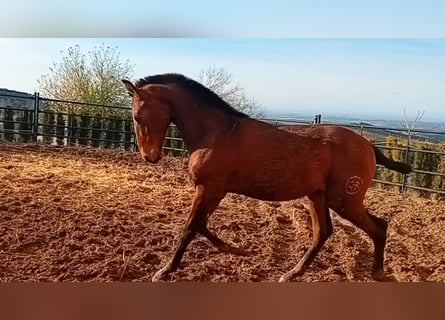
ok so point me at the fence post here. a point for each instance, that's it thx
(406, 160)
(36, 117)
(69, 126)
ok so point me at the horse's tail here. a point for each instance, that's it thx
(401, 167)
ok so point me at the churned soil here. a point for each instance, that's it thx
(84, 214)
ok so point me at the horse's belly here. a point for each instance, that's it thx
(287, 173)
(270, 194)
(274, 188)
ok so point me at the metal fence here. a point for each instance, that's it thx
(414, 146)
(31, 118)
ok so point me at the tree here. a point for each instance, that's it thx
(95, 78)
(9, 125)
(426, 161)
(25, 117)
(220, 81)
(438, 180)
(392, 151)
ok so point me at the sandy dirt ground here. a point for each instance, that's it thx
(83, 214)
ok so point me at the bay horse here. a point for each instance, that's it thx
(229, 152)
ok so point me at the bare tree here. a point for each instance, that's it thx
(419, 116)
(220, 81)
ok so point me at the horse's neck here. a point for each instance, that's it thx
(201, 128)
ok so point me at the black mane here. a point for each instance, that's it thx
(195, 88)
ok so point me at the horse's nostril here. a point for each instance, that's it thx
(148, 159)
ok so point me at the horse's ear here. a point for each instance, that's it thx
(132, 90)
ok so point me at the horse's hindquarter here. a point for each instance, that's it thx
(352, 161)
(353, 164)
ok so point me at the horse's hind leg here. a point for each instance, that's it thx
(374, 227)
(321, 230)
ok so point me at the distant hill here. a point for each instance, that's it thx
(14, 92)
(16, 99)
(431, 131)
(427, 135)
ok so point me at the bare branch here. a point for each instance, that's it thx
(220, 81)
(419, 116)
(406, 119)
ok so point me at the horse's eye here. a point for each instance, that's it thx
(137, 118)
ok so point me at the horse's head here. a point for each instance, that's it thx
(151, 118)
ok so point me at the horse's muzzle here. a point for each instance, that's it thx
(153, 159)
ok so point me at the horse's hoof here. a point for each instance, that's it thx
(379, 275)
(239, 251)
(234, 250)
(160, 275)
(284, 278)
(290, 275)
(295, 272)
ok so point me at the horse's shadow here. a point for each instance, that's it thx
(363, 266)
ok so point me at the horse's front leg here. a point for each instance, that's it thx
(204, 202)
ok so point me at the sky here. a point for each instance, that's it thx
(358, 58)
(369, 77)
(229, 18)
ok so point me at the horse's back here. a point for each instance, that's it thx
(340, 139)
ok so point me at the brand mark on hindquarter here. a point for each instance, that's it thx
(353, 185)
